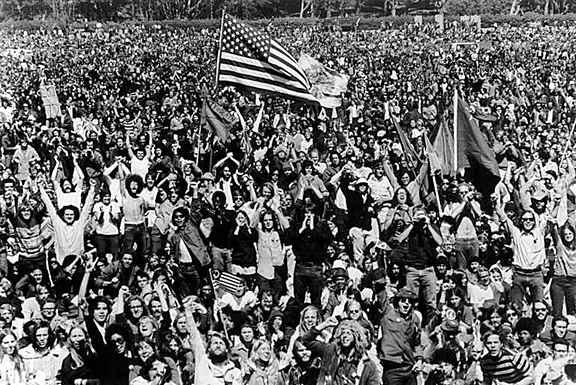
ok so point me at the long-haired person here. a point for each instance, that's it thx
(42, 358)
(345, 358)
(82, 360)
(12, 367)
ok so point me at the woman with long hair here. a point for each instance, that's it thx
(563, 285)
(306, 367)
(346, 355)
(262, 368)
(310, 316)
(12, 367)
(145, 351)
(81, 362)
(271, 268)
(173, 348)
(155, 371)
(41, 357)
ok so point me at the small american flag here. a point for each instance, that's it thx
(253, 59)
(226, 281)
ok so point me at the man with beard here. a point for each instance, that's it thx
(400, 344)
(69, 223)
(223, 369)
(529, 256)
(420, 259)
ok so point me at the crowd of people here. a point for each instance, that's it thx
(353, 263)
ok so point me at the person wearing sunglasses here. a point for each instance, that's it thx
(529, 256)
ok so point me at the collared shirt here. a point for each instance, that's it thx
(528, 247)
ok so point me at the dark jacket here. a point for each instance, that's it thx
(358, 213)
(242, 245)
(310, 246)
(331, 361)
(68, 373)
(400, 341)
(193, 239)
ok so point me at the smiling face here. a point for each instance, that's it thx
(347, 338)
(145, 350)
(68, 216)
(9, 344)
(101, 312)
(264, 352)
(77, 338)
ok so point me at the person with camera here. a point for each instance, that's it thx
(345, 360)
(422, 239)
(310, 239)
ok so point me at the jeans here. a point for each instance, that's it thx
(221, 258)
(308, 278)
(522, 280)
(189, 279)
(563, 289)
(134, 234)
(276, 285)
(157, 240)
(107, 244)
(423, 283)
(469, 247)
(398, 374)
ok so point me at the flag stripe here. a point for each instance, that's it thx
(277, 52)
(264, 86)
(228, 282)
(256, 74)
(242, 61)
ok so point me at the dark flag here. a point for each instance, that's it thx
(407, 148)
(215, 117)
(444, 148)
(473, 152)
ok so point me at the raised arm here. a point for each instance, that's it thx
(89, 201)
(47, 202)
(129, 147)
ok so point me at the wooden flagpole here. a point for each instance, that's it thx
(219, 49)
(455, 121)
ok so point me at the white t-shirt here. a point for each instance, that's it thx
(106, 227)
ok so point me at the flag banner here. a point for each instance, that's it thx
(474, 153)
(433, 158)
(444, 148)
(250, 58)
(219, 120)
(50, 100)
(327, 85)
(407, 148)
(226, 281)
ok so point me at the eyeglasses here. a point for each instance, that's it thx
(540, 309)
(117, 341)
(353, 311)
(530, 219)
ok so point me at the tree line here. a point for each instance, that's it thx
(118, 10)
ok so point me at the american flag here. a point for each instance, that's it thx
(251, 58)
(226, 281)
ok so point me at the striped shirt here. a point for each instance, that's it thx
(508, 367)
